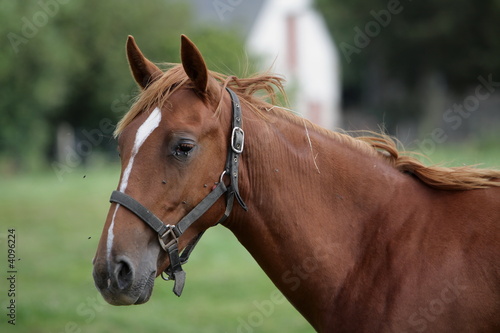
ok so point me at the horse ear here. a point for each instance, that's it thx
(193, 64)
(144, 71)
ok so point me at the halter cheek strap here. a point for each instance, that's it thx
(168, 235)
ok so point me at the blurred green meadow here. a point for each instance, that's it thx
(58, 225)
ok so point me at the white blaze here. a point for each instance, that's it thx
(142, 134)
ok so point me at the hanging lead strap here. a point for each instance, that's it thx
(179, 276)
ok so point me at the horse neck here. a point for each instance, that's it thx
(309, 199)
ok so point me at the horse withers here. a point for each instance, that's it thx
(358, 236)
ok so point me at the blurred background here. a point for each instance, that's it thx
(425, 72)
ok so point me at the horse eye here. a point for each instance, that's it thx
(183, 149)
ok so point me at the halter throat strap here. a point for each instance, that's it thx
(168, 235)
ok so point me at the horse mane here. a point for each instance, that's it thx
(439, 177)
(255, 91)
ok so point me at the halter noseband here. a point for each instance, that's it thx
(168, 235)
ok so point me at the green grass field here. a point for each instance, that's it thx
(58, 225)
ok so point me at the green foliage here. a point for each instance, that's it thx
(64, 61)
(388, 48)
(458, 38)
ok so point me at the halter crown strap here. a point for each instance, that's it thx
(236, 148)
(168, 234)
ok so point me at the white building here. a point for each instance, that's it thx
(293, 40)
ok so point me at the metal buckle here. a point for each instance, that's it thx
(174, 239)
(237, 140)
(168, 277)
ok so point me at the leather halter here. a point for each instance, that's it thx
(168, 234)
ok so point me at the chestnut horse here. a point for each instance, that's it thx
(358, 236)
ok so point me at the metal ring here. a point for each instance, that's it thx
(165, 278)
(222, 176)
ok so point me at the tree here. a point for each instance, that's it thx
(390, 48)
(64, 62)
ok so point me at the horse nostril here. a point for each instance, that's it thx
(124, 274)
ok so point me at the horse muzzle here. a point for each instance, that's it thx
(120, 282)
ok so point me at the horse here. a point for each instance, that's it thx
(358, 235)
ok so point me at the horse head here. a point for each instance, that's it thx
(173, 146)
